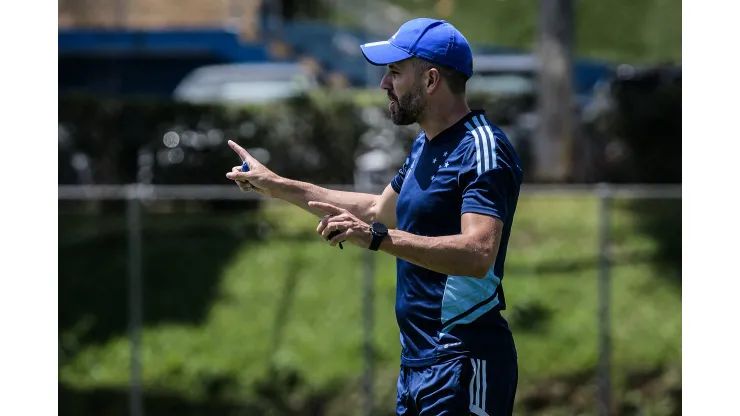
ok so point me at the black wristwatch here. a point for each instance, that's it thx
(379, 232)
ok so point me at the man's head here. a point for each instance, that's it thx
(428, 60)
(414, 84)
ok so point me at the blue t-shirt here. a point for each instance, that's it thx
(469, 167)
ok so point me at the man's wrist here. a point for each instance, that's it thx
(279, 187)
(378, 232)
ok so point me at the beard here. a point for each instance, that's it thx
(408, 108)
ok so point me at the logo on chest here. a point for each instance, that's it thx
(432, 169)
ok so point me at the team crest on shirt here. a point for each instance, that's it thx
(439, 163)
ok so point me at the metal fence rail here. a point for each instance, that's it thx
(229, 192)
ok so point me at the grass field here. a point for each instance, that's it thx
(254, 308)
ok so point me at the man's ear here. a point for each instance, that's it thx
(433, 80)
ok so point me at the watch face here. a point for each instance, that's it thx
(379, 228)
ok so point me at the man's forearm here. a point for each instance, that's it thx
(458, 255)
(300, 193)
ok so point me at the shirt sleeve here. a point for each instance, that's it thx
(397, 181)
(486, 184)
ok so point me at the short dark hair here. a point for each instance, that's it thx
(456, 80)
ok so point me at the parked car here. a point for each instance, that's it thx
(245, 83)
(512, 73)
(507, 74)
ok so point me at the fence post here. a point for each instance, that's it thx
(603, 372)
(368, 300)
(133, 224)
(370, 174)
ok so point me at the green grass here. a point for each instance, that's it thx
(290, 304)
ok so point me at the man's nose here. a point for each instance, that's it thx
(385, 83)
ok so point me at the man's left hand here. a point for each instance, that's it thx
(350, 228)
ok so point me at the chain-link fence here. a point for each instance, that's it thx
(204, 300)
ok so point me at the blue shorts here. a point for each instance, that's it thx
(463, 386)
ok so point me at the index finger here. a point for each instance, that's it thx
(331, 209)
(243, 154)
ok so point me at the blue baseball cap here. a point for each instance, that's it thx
(434, 40)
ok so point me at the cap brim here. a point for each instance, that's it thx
(383, 53)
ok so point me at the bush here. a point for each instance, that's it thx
(313, 138)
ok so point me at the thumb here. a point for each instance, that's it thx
(240, 176)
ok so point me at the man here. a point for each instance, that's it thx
(446, 216)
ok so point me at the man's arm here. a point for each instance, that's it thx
(471, 253)
(260, 179)
(367, 207)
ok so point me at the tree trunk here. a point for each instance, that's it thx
(554, 143)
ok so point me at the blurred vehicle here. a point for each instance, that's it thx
(504, 74)
(516, 73)
(245, 83)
